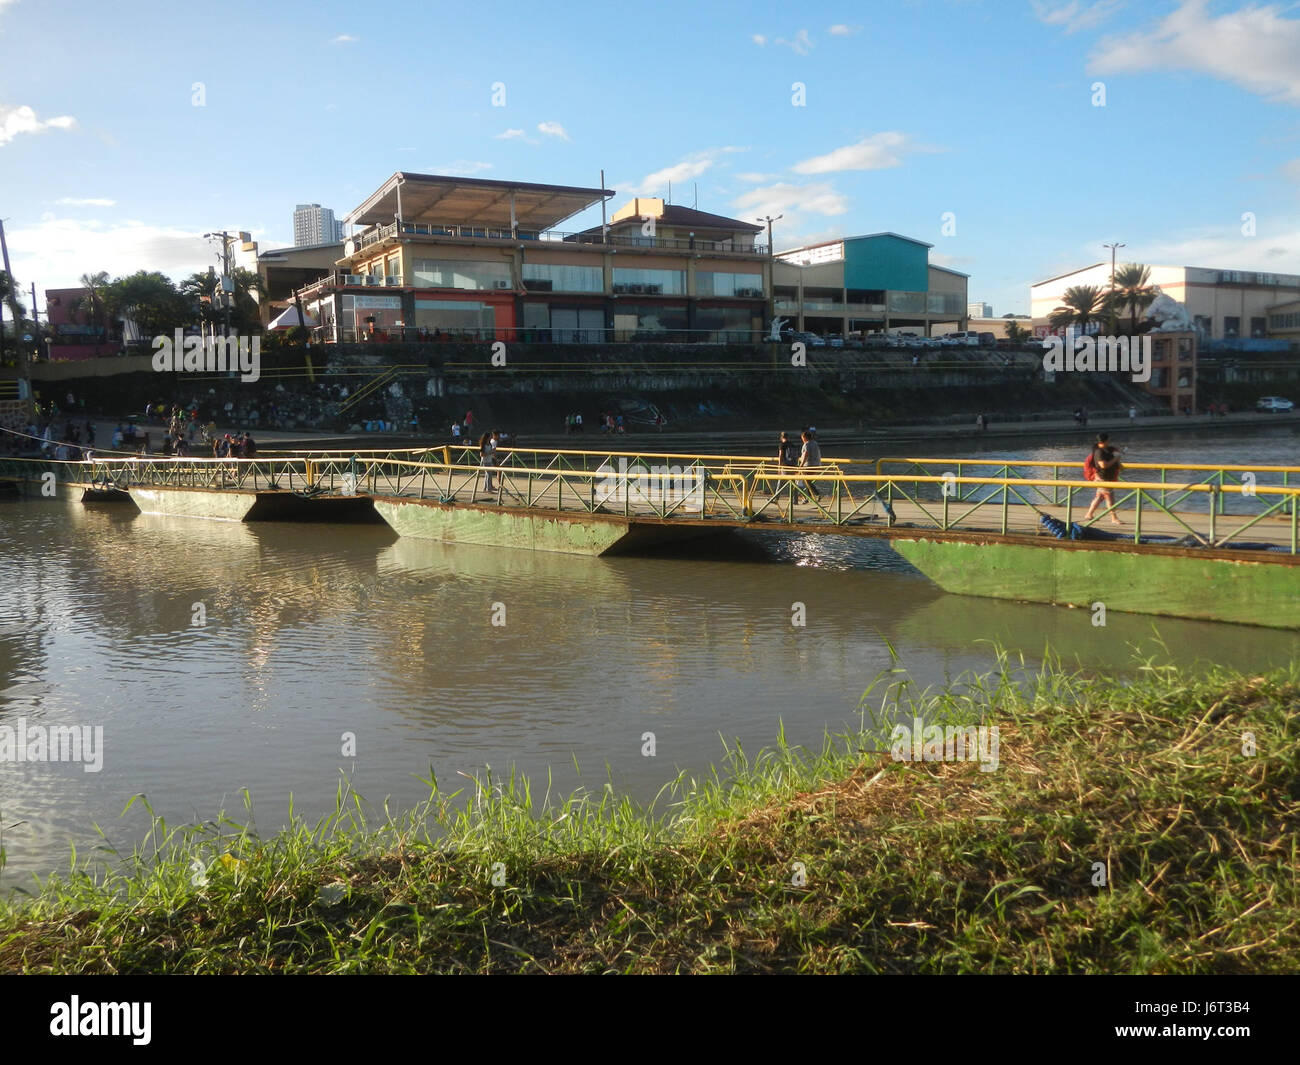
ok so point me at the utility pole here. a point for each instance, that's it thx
(771, 271)
(226, 298)
(9, 280)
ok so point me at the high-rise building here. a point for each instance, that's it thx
(979, 310)
(314, 224)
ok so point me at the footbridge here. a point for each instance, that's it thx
(1217, 542)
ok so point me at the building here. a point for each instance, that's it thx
(979, 310)
(877, 282)
(314, 225)
(1230, 308)
(1173, 370)
(74, 331)
(471, 257)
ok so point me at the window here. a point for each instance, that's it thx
(907, 302)
(650, 282)
(946, 303)
(1203, 324)
(551, 277)
(1258, 327)
(437, 273)
(712, 283)
(1231, 328)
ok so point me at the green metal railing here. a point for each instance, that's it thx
(727, 489)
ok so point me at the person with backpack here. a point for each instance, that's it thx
(1103, 466)
(787, 451)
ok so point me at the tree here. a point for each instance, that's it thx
(1017, 333)
(1081, 305)
(1134, 291)
(150, 300)
(93, 301)
(198, 290)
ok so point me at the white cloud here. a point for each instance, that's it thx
(1255, 48)
(511, 134)
(841, 30)
(1074, 16)
(794, 202)
(753, 177)
(759, 39)
(553, 129)
(22, 119)
(88, 201)
(460, 168)
(56, 251)
(880, 151)
(344, 38)
(1292, 169)
(694, 165)
(801, 43)
(1276, 249)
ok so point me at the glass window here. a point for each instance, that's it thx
(1257, 327)
(714, 283)
(907, 302)
(551, 277)
(439, 273)
(1231, 327)
(650, 282)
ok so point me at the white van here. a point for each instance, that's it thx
(968, 339)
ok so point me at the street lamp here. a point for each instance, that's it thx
(771, 270)
(1112, 248)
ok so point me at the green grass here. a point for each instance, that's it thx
(910, 867)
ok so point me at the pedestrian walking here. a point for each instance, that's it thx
(810, 458)
(1103, 466)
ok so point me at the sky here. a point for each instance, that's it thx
(1016, 136)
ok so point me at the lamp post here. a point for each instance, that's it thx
(771, 270)
(1112, 247)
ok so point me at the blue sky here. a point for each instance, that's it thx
(912, 109)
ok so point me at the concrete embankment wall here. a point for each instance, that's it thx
(694, 387)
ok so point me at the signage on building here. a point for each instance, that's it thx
(378, 303)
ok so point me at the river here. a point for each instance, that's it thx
(312, 632)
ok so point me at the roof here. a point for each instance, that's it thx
(476, 201)
(948, 270)
(1068, 273)
(860, 236)
(280, 253)
(674, 215)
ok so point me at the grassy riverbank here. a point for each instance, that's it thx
(906, 866)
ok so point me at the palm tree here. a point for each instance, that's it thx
(1081, 305)
(1133, 290)
(94, 284)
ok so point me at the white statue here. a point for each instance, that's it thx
(1168, 315)
(777, 325)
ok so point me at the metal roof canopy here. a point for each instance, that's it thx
(445, 200)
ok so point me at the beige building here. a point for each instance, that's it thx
(472, 258)
(1223, 304)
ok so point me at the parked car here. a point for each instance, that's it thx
(987, 340)
(835, 340)
(1274, 405)
(967, 338)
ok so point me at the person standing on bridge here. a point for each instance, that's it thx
(487, 447)
(1105, 460)
(787, 452)
(810, 458)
